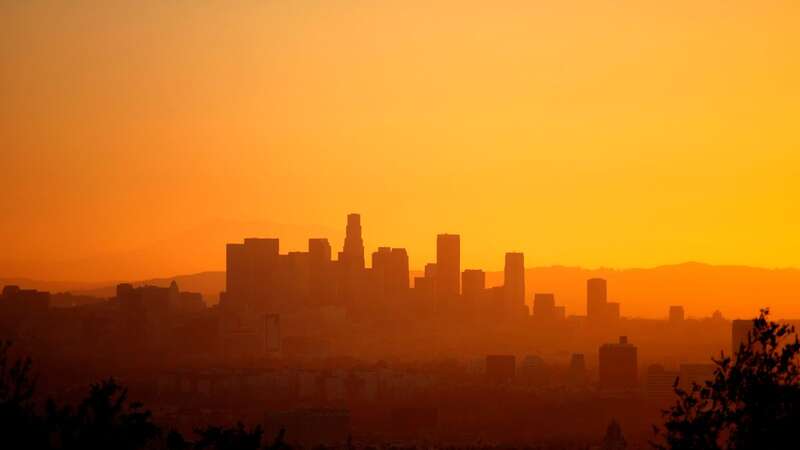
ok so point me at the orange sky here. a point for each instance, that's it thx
(602, 133)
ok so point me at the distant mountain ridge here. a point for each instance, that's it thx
(207, 283)
(737, 291)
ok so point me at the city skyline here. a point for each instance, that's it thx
(703, 290)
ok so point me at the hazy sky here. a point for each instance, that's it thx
(594, 133)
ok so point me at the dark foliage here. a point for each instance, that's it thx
(105, 419)
(752, 402)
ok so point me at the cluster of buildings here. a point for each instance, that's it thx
(261, 280)
(291, 330)
(264, 286)
(15, 301)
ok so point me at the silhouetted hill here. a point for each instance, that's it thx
(51, 286)
(207, 283)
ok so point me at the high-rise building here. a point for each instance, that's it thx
(448, 266)
(250, 279)
(399, 269)
(319, 250)
(430, 272)
(352, 255)
(676, 314)
(473, 283)
(618, 366)
(496, 298)
(237, 273)
(424, 290)
(321, 272)
(514, 279)
(391, 266)
(544, 307)
(596, 299)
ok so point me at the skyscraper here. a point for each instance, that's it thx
(514, 280)
(544, 307)
(250, 273)
(399, 269)
(473, 282)
(352, 256)
(322, 275)
(448, 266)
(319, 250)
(391, 266)
(430, 271)
(596, 298)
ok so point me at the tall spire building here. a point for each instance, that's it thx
(352, 256)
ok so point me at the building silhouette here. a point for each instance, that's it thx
(251, 279)
(473, 283)
(596, 298)
(390, 265)
(676, 314)
(618, 366)
(514, 280)
(544, 307)
(448, 266)
(352, 255)
(473, 288)
(16, 301)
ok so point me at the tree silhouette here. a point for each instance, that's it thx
(752, 402)
(19, 423)
(104, 419)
